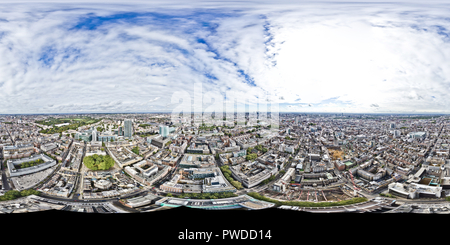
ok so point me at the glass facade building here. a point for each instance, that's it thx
(163, 130)
(128, 131)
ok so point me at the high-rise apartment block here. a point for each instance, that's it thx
(128, 125)
(163, 130)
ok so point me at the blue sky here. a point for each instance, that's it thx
(360, 57)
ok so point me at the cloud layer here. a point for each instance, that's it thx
(334, 57)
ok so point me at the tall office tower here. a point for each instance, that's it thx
(120, 131)
(128, 132)
(392, 125)
(163, 130)
(296, 120)
(94, 135)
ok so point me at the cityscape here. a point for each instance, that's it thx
(318, 163)
(224, 120)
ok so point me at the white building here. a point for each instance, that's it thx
(62, 124)
(414, 190)
(103, 184)
(94, 135)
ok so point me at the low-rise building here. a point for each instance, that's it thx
(197, 161)
(13, 164)
(160, 141)
(20, 151)
(414, 190)
(172, 185)
(251, 174)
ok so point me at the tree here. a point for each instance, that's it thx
(236, 184)
(12, 194)
(98, 162)
(135, 150)
(259, 147)
(251, 157)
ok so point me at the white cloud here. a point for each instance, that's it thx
(155, 99)
(390, 55)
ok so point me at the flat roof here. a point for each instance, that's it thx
(48, 162)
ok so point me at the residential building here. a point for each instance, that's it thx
(128, 125)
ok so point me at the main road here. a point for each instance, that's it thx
(368, 206)
(5, 184)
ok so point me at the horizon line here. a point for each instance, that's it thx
(285, 112)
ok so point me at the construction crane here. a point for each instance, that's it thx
(285, 194)
(324, 196)
(351, 176)
(300, 195)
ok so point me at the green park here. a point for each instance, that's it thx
(98, 162)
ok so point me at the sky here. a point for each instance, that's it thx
(143, 56)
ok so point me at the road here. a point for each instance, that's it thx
(79, 183)
(169, 175)
(5, 178)
(364, 207)
(14, 143)
(369, 206)
(5, 184)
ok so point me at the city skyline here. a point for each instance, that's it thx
(337, 57)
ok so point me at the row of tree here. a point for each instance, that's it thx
(261, 148)
(308, 204)
(266, 181)
(14, 194)
(227, 173)
(29, 164)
